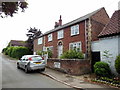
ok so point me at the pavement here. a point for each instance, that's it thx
(78, 82)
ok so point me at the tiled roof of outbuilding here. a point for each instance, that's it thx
(113, 27)
(18, 43)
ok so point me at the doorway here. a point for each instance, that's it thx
(60, 49)
(95, 58)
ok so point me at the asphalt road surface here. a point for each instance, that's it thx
(15, 78)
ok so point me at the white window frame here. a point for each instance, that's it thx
(40, 40)
(76, 43)
(75, 30)
(60, 34)
(49, 37)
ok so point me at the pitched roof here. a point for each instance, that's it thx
(18, 43)
(74, 21)
(113, 27)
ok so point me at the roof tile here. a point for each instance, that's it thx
(113, 27)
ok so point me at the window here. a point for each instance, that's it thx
(74, 30)
(40, 40)
(60, 34)
(75, 45)
(49, 37)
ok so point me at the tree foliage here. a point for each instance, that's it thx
(32, 34)
(9, 8)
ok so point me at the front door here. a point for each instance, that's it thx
(95, 58)
(60, 50)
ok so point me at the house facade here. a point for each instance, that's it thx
(109, 40)
(77, 34)
(18, 43)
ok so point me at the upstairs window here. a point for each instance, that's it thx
(60, 34)
(74, 30)
(40, 40)
(75, 46)
(49, 37)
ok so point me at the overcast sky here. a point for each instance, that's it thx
(43, 14)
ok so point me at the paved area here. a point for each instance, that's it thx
(77, 82)
(19, 80)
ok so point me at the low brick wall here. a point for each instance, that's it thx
(70, 66)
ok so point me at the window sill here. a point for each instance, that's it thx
(74, 35)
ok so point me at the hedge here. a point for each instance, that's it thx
(16, 52)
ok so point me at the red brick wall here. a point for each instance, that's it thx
(73, 67)
(101, 16)
(67, 39)
(98, 21)
(36, 46)
(96, 29)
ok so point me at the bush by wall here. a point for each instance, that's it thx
(72, 54)
(102, 69)
(117, 64)
(49, 52)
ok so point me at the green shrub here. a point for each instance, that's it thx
(117, 64)
(9, 51)
(5, 51)
(18, 52)
(72, 54)
(102, 69)
(39, 52)
(49, 54)
(45, 52)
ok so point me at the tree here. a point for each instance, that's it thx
(107, 56)
(9, 8)
(32, 34)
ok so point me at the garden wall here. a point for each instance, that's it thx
(70, 66)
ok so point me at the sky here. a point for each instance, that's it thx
(43, 14)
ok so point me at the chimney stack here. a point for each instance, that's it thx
(58, 23)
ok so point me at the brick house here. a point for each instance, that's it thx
(109, 39)
(75, 34)
(18, 43)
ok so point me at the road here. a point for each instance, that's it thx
(15, 78)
